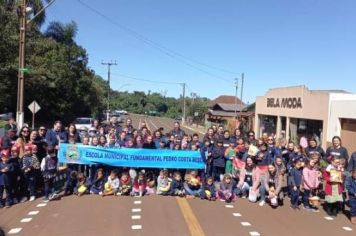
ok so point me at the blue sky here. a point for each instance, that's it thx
(276, 43)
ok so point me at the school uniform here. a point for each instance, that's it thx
(49, 171)
(296, 178)
(5, 182)
(218, 162)
(29, 165)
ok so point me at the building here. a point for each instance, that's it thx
(224, 109)
(298, 111)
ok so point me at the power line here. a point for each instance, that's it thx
(162, 49)
(145, 80)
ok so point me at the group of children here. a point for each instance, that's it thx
(20, 177)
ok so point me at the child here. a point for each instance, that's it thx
(71, 183)
(226, 193)
(82, 185)
(333, 187)
(16, 178)
(97, 186)
(6, 169)
(150, 182)
(205, 153)
(230, 154)
(192, 184)
(296, 182)
(350, 185)
(125, 185)
(218, 160)
(29, 165)
(163, 182)
(177, 186)
(112, 185)
(310, 182)
(49, 170)
(139, 185)
(208, 189)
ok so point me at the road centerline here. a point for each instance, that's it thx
(190, 218)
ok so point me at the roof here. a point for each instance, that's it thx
(224, 99)
(330, 91)
(228, 107)
(227, 113)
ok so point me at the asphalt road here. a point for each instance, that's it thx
(157, 215)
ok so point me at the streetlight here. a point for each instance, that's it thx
(24, 10)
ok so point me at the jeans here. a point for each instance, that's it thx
(353, 206)
(48, 186)
(294, 196)
(31, 184)
(306, 195)
(189, 191)
(8, 196)
(243, 190)
(217, 171)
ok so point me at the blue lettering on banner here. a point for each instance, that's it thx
(130, 157)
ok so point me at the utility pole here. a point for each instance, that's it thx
(236, 87)
(242, 89)
(183, 118)
(109, 64)
(21, 74)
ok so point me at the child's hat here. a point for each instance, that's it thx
(28, 147)
(5, 152)
(15, 148)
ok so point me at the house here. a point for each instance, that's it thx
(226, 109)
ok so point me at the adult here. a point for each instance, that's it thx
(210, 136)
(23, 139)
(352, 162)
(129, 127)
(220, 132)
(313, 148)
(56, 135)
(73, 135)
(337, 150)
(252, 138)
(177, 131)
(149, 144)
(9, 139)
(272, 149)
(236, 135)
(272, 186)
(41, 143)
(11, 124)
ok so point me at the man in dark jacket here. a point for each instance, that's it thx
(352, 162)
(56, 135)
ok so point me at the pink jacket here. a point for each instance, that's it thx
(310, 178)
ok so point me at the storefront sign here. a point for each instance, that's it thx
(291, 103)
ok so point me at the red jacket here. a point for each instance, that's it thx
(328, 184)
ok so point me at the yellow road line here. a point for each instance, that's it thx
(190, 218)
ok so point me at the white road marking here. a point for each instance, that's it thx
(254, 233)
(156, 127)
(15, 231)
(42, 205)
(347, 228)
(229, 206)
(33, 213)
(236, 214)
(137, 202)
(134, 227)
(136, 217)
(136, 210)
(328, 218)
(26, 220)
(245, 224)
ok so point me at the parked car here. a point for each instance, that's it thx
(122, 112)
(117, 115)
(83, 123)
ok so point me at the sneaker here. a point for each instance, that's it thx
(54, 196)
(262, 203)
(7, 205)
(32, 198)
(307, 208)
(100, 193)
(315, 210)
(118, 194)
(45, 199)
(243, 196)
(24, 199)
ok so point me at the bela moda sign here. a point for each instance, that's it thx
(292, 103)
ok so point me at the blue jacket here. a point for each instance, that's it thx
(350, 185)
(5, 178)
(274, 152)
(203, 152)
(210, 188)
(175, 185)
(296, 177)
(51, 137)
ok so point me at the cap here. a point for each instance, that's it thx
(5, 152)
(28, 147)
(15, 148)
